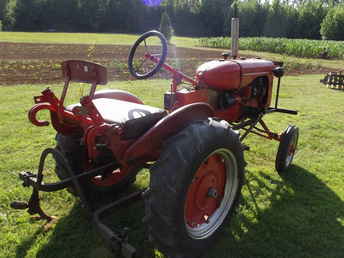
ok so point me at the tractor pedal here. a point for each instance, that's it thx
(26, 177)
(245, 147)
(19, 205)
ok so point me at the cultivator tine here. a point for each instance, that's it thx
(117, 241)
(29, 179)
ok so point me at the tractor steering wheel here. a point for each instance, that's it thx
(146, 57)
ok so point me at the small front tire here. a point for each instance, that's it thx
(287, 148)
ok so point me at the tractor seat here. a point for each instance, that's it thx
(135, 119)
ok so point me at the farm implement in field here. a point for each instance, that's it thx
(334, 80)
(193, 147)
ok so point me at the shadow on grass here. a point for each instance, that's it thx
(298, 216)
(75, 235)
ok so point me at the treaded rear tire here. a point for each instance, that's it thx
(75, 154)
(172, 176)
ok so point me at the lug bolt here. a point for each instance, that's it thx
(212, 193)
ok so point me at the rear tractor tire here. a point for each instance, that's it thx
(194, 188)
(76, 155)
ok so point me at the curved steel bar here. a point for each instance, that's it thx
(52, 187)
(167, 67)
(32, 115)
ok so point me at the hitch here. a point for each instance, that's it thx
(117, 241)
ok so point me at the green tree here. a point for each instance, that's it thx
(278, 20)
(28, 15)
(2, 8)
(310, 16)
(166, 26)
(212, 16)
(252, 16)
(333, 24)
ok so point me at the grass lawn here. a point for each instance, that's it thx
(301, 215)
(83, 38)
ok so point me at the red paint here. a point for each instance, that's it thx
(111, 178)
(184, 97)
(232, 113)
(210, 176)
(254, 65)
(147, 146)
(219, 74)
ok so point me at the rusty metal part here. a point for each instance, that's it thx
(117, 241)
(334, 80)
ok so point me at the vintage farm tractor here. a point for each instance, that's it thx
(193, 147)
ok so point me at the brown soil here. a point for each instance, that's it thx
(24, 63)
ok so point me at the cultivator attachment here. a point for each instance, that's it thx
(117, 241)
(334, 80)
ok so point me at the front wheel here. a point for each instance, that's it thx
(287, 148)
(194, 188)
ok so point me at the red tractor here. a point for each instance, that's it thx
(193, 147)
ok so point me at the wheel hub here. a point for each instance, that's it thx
(206, 191)
(211, 194)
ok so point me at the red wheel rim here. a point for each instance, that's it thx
(211, 194)
(206, 191)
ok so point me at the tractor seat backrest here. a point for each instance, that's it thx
(84, 72)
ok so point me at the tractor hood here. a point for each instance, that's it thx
(227, 74)
(219, 74)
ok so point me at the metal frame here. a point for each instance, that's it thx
(117, 241)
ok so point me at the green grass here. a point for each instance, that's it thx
(82, 38)
(301, 215)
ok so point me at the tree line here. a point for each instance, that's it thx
(277, 18)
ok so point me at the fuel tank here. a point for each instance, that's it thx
(232, 74)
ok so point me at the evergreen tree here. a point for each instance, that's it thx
(333, 24)
(2, 8)
(165, 26)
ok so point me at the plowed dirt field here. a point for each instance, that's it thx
(25, 63)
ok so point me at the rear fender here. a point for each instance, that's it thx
(148, 146)
(117, 94)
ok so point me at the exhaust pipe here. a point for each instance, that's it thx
(235, 37)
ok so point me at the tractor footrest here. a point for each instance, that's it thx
(28, 178)
(19, 205)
